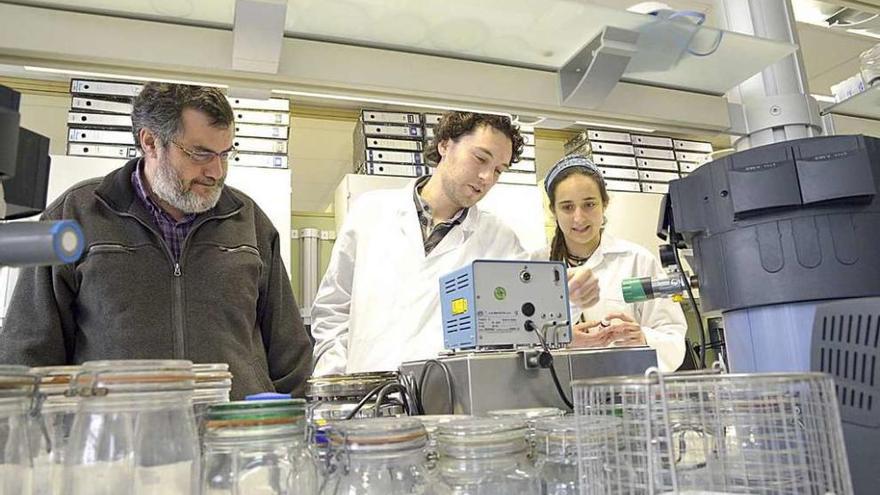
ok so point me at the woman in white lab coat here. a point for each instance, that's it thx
(578, 200)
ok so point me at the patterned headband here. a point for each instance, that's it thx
(568, 162)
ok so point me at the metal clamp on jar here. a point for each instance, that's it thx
(50, 430)
(382, 456)
(486, 455)
(134, 429)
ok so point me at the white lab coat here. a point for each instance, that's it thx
(662, 320)
(379, 302)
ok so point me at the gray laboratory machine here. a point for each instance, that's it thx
(504, 323)
(785, 241)
(482, 381)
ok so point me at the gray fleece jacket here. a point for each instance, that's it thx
(228, 299)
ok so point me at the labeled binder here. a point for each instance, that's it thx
(79, 135)
(102, 150)
(105, 88)
(373, 117)
(98, 119)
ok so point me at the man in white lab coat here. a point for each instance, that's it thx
(379, 303)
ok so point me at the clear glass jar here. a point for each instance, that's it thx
(556, 455)
(134, 432)
(50, 431)
(529, 416)
(257, 448)
(382, 456)
(333, 397)
(485, 456)
(213, 383)
(17, 394)
(432, 423)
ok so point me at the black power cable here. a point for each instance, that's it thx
(409, 382)
(351, 414)
(405, 386)
(690, 293)
(392, 387)
(450, 389)
(546, 361)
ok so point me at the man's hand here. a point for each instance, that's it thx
(583, 287)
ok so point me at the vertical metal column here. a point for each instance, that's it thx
(308, 270)
(771, 107)
(775, 105)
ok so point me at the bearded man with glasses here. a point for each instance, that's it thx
(177, 265)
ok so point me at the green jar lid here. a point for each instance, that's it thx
(243, 414)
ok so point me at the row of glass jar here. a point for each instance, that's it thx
(257, 448)
(105, 426)
(128, 426)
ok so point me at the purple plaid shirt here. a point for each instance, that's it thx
(173, 232)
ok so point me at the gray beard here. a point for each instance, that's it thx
(168, 187)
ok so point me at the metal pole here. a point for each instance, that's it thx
(309, 270)
(774, 105)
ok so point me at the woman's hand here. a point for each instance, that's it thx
(583, 287)
(589, 334)
(625, 333)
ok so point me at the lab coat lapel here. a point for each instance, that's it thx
(408, 221)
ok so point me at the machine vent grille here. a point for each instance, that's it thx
(457, 283)
(458, 324)
(847, 348)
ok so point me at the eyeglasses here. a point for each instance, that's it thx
(204, 157)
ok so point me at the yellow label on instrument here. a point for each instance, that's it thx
(459, 306)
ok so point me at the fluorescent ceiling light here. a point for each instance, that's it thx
(380, 101)
(120, 76)
(615, 126)
(824, 98)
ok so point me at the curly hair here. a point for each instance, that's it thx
(454, 125)
(159, 108)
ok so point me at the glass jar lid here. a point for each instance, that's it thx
(432, 422)
(99, 378)
(378, 435)
(56, 380)
(353, 385)
(212, 375)
(527, 414)
(251, 414)
(482, 437)
(16, 381)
